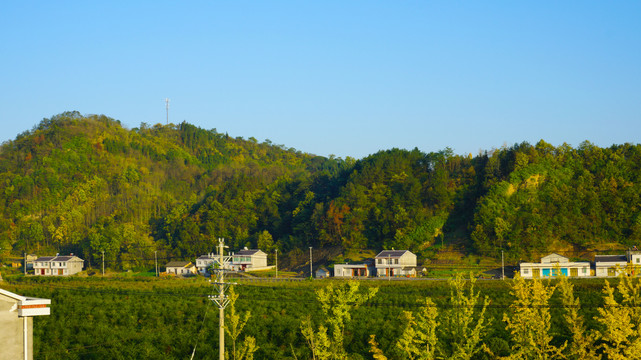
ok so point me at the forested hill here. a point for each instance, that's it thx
(85, 184)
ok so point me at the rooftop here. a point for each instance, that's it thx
(247, 252)
(391, 253)
(610, 258)
(178, 264)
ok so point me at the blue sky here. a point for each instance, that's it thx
(347, 78)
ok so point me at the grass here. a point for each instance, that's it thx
(272, 274)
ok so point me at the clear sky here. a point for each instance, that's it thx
(347, 78)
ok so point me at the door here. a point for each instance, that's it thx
(536, 273)
(59, 271)
(574, 272)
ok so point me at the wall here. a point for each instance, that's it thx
(11, 333)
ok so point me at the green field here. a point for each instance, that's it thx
(165, 318)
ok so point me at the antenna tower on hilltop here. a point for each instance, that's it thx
(167, 106)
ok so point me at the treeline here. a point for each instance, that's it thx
(85, 184)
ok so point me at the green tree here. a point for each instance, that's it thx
(234, 325)
(582, 345)
(265, 241)
(620, 332)
(464, 322)
(529, 321)
(337, 303)
(419, 338)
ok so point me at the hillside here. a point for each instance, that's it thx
(85, 184)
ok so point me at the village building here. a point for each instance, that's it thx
(204, 262)
(16, 324)
(554, 265)
(610, 265)
(246, 259)
(354, 270)
(322, 273)
(57, 265)
(634, 262)
(395, 263)
(182, 268)
(30, 259)
(243, 260)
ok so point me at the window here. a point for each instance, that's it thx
(638, 260)
(380, 261)
(526, 271)
(396, 261)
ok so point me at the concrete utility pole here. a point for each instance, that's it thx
(25, 264)
(311, 273)
(502, 267)
(103, 263)
(276, 263)
(156, 258)
(221, 299)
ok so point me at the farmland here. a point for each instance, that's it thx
(143, 317)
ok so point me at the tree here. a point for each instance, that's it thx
(234, 325)
(265, 241)
(337, 302)
(620, 334)
(582, 345)
(419, 339)
(529, 320)
(464, 321)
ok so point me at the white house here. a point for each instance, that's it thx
(610, 265)
(634, 262)
(204, 261)
(246, 259)
(180, 268)
(553, 265)
(16, 324)
(353, 270)
(395, 263)
(58, 265)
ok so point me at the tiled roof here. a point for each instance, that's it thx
(247, 252)
(178, 264)
(391, 253)
(45, 258)
(610, 258)
(58, 258)
(63, 258)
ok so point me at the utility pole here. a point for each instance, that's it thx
(221, 299)
(276, 263)
(311, 273)
(25, 264)
(103, 263)
(502, 267)
(156, 258)
(167, 105)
